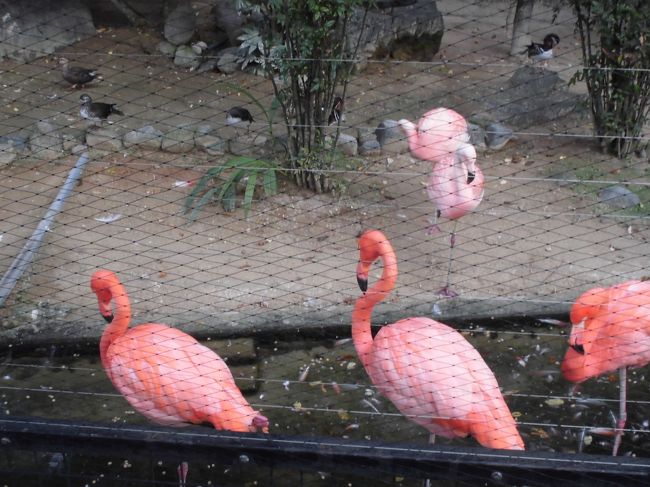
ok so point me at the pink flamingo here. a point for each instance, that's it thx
(456, 183)
(164, 373)
(611, 331)
(427, 369)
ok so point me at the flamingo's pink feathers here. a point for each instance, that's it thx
(438, 380)
(611, 330)
(166, 374)
(427, 369)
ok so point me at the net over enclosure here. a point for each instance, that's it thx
(337, 241)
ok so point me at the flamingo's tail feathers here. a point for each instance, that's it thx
(499, 434)
(242, 420)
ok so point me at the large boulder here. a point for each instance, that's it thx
(391, 137)
(180, 24)
(33, 28)
(388, 22)
(532, 96)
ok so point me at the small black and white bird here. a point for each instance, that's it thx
(336, 115)
(76, 75)
(96, 111)
(539, 53)
(238, 115)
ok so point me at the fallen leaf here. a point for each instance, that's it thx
(554, 402)
(540, 433)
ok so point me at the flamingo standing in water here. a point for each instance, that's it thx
(456, 183)
(427, 369)
(164, 373)
(611, 330)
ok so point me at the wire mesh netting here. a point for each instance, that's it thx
(215, 231)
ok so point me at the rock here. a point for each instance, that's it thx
(186, 57)
(180, 24)
(78, 149)
(19, 141)
(45, 141)
(229, 21)
(391, 138)
(204, 129)
(34, 28)
(228, 60)
(497, 136)
(347, 144)
(618, 197)
(476, 136)
(209, 65)
(72, 137)
(147, 137)
(212, 144)
(104, 138)
(7, 153)
(178, 140)
(532, 96)
(365, 134)
(370, 148)
(166, 48)
(420, 22)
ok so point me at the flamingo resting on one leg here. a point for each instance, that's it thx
(428, 370)
(456, 183)
(611, 331)
(164, 373)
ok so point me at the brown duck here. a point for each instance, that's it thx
(76, 75)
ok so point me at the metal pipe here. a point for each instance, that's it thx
(30, 249)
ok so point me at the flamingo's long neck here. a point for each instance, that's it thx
(361, 333)
(121, 318)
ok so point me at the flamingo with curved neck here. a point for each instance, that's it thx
(456, 183)
(611, 331)
(164, 373)
(428, 370)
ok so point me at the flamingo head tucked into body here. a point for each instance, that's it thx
(466, 153)
(438, 134)
(105, 284)
(260, 424)
(587, 315)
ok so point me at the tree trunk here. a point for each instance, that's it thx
(521, 27)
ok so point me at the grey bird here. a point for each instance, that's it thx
(76, 75)
(96, 111)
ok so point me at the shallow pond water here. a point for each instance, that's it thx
(318, 388)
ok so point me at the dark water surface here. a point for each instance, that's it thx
(318, 388)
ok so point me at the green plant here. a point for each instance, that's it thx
(219, 184)
(309, 57)
(616, 55)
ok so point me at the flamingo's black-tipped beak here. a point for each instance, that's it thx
(578, 348)
(470, 177)
(363, 283)
(108, 318)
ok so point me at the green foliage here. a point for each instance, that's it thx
(219, 184)
(309, 58)
(616, 55)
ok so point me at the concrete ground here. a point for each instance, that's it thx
(532, 245)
